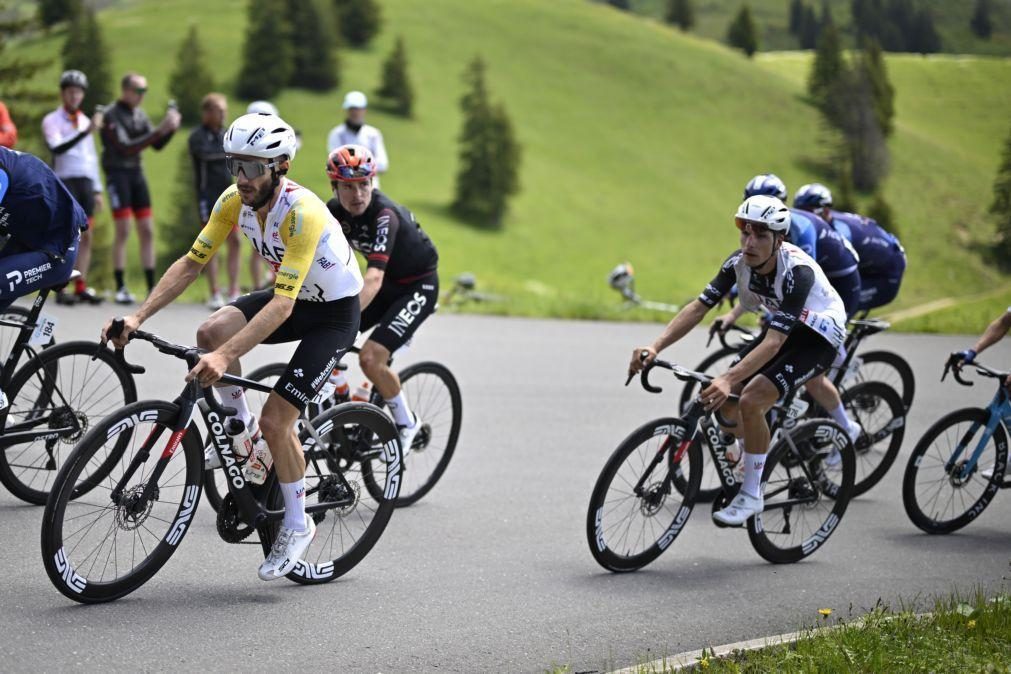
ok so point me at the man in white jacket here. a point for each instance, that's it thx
(354, 131)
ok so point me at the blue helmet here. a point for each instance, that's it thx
(768, 184)
(812, 196)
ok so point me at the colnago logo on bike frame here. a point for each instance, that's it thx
(224, 445)
(726, 472)
(67, 573)
(175, 534)
(132, 421)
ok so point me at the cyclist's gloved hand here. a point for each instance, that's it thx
(966, 357)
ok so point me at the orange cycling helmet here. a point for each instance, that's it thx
(350, 164)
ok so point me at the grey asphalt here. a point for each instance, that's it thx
(491, 571)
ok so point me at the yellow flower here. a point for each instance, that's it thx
(704, 662)
(825, 612)
(971, 624)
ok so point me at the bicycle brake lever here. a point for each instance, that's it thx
(115, 330)
(717, 326)
(130, 367)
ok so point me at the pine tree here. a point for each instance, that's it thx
(191, 78)
(873, 62)
(396, 86)
(358, 20)
(882, 213)
(315, 61)
(809, 29)
(924, 38)
(843, 198)
(981, 23)
(26, 103)
(848, 106)
(681, 13)
(85, 50)
(489, 155)
(796, 16)
(742, 32)
(827, 66)
(620, 4)
(51, 12)
(265, 71)
(179, 230)
(1001, 207)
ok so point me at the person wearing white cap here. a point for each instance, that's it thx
(354, 131)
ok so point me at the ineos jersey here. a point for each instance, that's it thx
(796, 292)
(389, 238)
(299, 239)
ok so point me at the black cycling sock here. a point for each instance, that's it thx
(118, 273)
(149, 277)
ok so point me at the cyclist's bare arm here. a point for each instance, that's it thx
(373, 281)
(994, 332)
(686, 319)
(730, 318)
(177, 278)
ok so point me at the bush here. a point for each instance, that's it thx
(85, 50)
(396, 86)
(1001, 207)
(980, 23)
(489, 155)
(53, 11)
(183, 225)
(191, 79)
(828, 65)
(265, 71)
(742, 33)
(882, 213)
(313, 46)
(358, 20)
(681, 13)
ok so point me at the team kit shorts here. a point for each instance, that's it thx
(804, 355)
(398, 309)
(83, 191)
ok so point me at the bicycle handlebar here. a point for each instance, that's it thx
(188, 353)
(954, 365)
(717, 330)
(683, 374)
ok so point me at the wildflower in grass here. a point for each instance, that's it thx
(825, 612)
(971, 624)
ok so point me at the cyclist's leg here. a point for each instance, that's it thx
(117, 184)
(403, 311)
(24, 271)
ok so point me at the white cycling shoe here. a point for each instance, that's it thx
(407, 435)
(287, 550)
(740, 509)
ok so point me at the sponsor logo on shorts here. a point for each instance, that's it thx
(406, 317)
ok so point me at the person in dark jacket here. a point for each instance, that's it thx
(211, 177)
(126, 132)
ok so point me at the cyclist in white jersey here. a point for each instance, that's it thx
(797, 345)
(314, 302)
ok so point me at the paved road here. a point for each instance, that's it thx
(491, 571)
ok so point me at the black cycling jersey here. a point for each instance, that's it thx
(211, 176)
(125, 132)
(390, 238)
(797, 286)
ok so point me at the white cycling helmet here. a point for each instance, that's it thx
(260, 135)
(262, 107)
(766, 183)
(765, 210)
(812, 196)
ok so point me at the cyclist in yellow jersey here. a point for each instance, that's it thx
(314, 302)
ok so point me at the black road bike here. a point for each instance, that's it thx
(958, 466)
(868, 384)
(650, 484)
(104, 537)
(54, 397)
(432, 393)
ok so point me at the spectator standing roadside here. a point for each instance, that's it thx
(8, 132)
(212, 177)
(68, 134)
(126, 132)
(354, 131)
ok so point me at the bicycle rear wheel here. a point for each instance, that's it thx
(882, 416)
(627, 530)
(67, 389)
(889, 368)
(803, 505)
(110, 540)
(335, 472)
(939, 494)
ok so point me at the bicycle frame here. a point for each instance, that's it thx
(998, 411)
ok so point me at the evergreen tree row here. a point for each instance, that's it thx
(897, 25)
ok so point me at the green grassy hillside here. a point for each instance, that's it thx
(637, 141)
(950, 16)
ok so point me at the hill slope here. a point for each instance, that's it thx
(637, 141)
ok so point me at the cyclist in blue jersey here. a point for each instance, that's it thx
(882, 258)
(809, 232)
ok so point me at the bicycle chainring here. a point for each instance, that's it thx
(230, 526)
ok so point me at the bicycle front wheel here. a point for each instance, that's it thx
(355, 438)
(804, 498)
(940, 491)
(110, 540)
(55, 398)
(635, 512)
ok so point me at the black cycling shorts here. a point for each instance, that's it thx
(83, 191)
(397, 310)
(804, 355)
(324, 331)
(128, 193)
